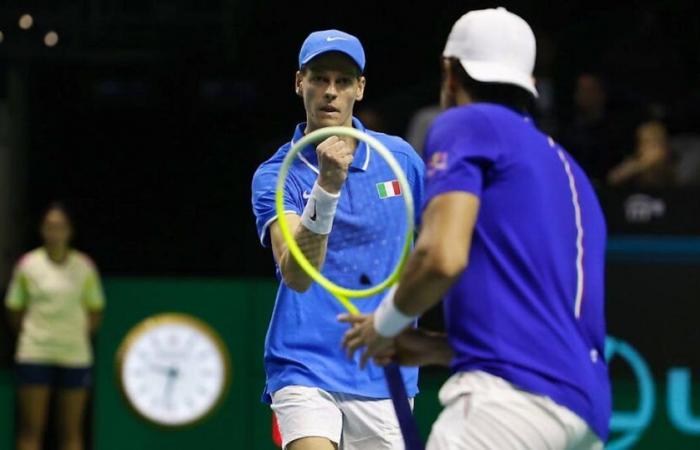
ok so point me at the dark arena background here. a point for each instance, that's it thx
(147, 119)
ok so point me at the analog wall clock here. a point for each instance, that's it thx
(173, 369)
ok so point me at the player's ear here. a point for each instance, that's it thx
(360, 88)
(297, 82)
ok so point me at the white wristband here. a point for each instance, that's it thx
(320, 210)
(389, 321)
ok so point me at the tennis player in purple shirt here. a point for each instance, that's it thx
(513, 241)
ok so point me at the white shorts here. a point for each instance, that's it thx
(482, 411)
(352, 422)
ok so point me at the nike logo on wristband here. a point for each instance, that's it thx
(313, 216)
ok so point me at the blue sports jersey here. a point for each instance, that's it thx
(302, 346)
(529, 308)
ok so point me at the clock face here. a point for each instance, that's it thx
(173, 370)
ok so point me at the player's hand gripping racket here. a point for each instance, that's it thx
(370, 246)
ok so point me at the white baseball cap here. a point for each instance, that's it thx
(495, 46)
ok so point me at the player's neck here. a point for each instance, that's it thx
(456, 98)
(462, 98)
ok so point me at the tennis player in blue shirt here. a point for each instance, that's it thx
(513, 240)
(322, 399)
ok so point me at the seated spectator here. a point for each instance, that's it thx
(686, 151)
(545, 110)
(591, 136)
(371, 118)
(651, 165)
(420, 124)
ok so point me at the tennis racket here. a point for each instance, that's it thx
(376, 263)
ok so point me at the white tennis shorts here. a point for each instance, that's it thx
(482, 411)
(354, 423)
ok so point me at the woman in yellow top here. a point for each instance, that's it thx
(55, 301)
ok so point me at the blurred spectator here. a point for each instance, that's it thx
(54, 303)
(686, 150)
(371, 119)
(590, 136)
(545, 106)
(651, 165)
(419, 125)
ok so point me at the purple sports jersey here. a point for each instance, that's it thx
(529, 308)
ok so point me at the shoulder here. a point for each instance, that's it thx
(474, 116)
(483, 124)
(393, 143)
(274, 161)
(272, 165)
(397, 146)
(84, 260)
(29, 258)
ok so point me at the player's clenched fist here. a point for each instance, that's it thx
(334, 157)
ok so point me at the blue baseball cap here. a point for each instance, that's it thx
(320, 42)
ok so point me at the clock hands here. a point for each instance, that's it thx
(165, 370)
(172, 374)
(172, 377)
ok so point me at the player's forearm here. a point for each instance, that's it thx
(428, 276)
(441, 252)
(442, 353)
(419, 347)
(313, 246)
(439, 353)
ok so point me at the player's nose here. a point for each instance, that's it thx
(331, 90)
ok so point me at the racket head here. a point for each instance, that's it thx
(343, 293)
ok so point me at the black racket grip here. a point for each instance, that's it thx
(397, 389)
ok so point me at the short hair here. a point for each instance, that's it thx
(510, 95)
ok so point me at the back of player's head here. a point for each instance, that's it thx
(506, 94)
(496, 50)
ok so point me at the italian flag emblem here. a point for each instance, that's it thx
(389, 189)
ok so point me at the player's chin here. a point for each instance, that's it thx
(329, 119)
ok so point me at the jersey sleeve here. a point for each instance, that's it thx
(93, 295)
(263, 199)
(460, 150)
(17, 294)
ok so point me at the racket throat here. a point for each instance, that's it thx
(352, 309)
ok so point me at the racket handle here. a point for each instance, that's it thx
(397, 389)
